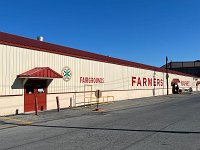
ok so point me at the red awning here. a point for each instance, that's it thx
(40, 72)
(198, 82)
(176, 80)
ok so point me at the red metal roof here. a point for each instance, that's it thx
(40, 72)
(18, 41)
(176, 80)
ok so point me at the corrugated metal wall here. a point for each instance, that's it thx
(16, 60)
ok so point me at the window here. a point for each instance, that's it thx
(40, 90)
(29, 90)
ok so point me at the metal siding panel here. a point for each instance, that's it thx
(53, 63)
(61, 87)
(116, 77)
(21, 59)
(76, 73)
(64, 63)
(69, 85)
(111, 77)
(107, 78)
(60, 50)
(137, 74)
(1, 68)
(6, 69)
(103, 65)
(102, 74)
(15, 69)
(126, 78)
(73, 66)
(71, 81)
(78, 88)
(197, 64)
(129, 77)
(19, 66)
(188, 64)
(12, 68)
(52, 90)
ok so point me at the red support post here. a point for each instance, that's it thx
(58, 103)
(36, 105)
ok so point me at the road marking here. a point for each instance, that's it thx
(16, 120)
(7, 126)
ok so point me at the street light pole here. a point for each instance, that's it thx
(167, 76)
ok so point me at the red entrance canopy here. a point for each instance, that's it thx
(176, 80)
(40, 72)
(198, 82)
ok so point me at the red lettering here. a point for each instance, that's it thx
(158, 82)
(154, 81)
(91, 80)
(101, 80)
(97, 80)
(161, 82)
(86, 79)
(83, 80)
(149, 81)
(133, 80)
(139, 82)
(144, 81)
(185, 83)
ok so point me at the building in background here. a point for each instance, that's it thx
(188, 67)
(33, 73)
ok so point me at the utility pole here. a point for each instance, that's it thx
(167, 76)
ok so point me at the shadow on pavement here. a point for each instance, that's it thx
(108, 129)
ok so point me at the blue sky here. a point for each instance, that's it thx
(144, 31)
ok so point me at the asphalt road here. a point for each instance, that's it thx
(172, 124)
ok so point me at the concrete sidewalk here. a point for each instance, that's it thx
(24, 119)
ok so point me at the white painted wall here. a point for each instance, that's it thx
(9, 105)
(118, 79)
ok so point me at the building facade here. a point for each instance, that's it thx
(188, 67)
(35, 72)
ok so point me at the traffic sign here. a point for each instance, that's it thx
(98, 93)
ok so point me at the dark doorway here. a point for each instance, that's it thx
(175, 88)
(35, 88)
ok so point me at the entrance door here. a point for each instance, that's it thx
(35, 89)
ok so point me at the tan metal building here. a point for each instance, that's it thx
(35, 69)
